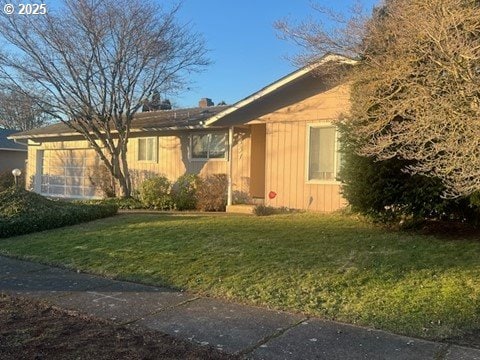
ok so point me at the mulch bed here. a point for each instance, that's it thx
(32, 329)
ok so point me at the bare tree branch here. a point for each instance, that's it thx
(18, 111)
(94, 61)
(416, 93)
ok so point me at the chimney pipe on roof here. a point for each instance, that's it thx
(205, 102)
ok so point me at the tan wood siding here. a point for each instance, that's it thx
(287, 155)
(286, 158)
(172, 158)
(258, 153)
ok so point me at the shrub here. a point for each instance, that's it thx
(212, 193)
(184, 192)
(155, 193)
(121, 203)
(241, 197)
(23, 212)
(7, 180)
(263, 210)
(383, 191)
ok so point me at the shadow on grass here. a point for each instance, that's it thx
(448, 230)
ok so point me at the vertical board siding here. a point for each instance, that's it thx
(286, 172)
(172, 158)
(257, 160)
(287, 155)
(285, 147)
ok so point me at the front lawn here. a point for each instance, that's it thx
(332, 266)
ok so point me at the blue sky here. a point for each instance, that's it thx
(245, 50)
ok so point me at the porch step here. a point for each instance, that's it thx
(240, 209)
(258, 201)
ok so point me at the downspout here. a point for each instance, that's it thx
(16, 141)
(230, 166)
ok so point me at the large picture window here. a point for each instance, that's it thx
(208, 146)
(324, 157)
(147, 149)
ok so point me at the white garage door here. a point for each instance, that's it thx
(66, 173)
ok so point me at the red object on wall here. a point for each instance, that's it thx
(272, 194)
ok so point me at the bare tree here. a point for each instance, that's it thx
(328, 32)
(94, 61)
(416, 93)
(418, 96)
(18, 111)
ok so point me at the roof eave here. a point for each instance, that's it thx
(278, 84)
(133, 131)
(9, 149)
(37, 136)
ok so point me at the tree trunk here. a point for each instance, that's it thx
(125, 171)
(121, 173)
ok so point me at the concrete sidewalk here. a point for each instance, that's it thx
(254, 333)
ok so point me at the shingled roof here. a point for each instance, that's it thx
(10, 145)
(161, 120)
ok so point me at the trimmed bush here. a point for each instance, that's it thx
(155, 193)
(121, 203)
(184, 192)
(212, 193)
(23, 212)
(264, 210)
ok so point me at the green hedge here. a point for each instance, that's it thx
(121, 203)
(23, 212)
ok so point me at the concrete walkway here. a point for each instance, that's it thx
(254, 333)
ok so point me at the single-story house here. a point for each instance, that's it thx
(12, 154)
(278, 146)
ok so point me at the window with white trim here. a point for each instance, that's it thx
(147, 149)
(206, 146)
(323, 153)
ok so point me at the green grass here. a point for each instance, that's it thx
(333, 266)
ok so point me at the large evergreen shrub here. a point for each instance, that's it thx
(384, 191)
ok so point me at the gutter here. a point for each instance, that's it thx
(132, 131)
(8, 149)
(18, 142)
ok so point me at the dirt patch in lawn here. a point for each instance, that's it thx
(31, 329)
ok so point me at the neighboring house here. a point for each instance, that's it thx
(12, 154)
(278, 146)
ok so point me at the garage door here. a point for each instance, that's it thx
(66, 173)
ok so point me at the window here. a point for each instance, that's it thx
(147, 149)
(208, 146)
(324, 157)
